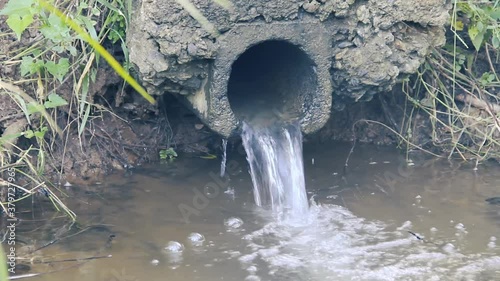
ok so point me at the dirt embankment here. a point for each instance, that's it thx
(121, 131)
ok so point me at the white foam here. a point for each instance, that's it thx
(337, 245)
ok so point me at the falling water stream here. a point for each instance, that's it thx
(274, 153)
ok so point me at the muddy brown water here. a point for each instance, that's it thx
(382, 220)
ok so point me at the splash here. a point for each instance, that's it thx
(338, 245)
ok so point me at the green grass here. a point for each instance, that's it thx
(457, 86)
(54, 59)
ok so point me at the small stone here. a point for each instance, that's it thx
(341, 55)
(363, 14)
(357, 41)
(192, 49)
(385, 25)
(345, 44)
(311, 7)
(155, 262)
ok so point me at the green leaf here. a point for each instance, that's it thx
(34, 107)
(495, 41)
(84, 120)
(56, 30)
(168, 154)
(38, 134)
(29, 134)
(93, 71)
(473, 32)
(19, 23)
(58, 70)
(30, 65)
(476, 36)
(22, 105)
(478, 40)
(27, 65)
(8, 138)
(480, 27)
(72, 50)
(487, 78)
(41, 133)
(84, 92)
(458, 25)
(89, 24)
(54, 100)
(495, 14)
(96, 12)
(18, 7)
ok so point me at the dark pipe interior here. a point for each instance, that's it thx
(271, 79)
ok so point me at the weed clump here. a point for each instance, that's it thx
(457, 87)
(50, 70)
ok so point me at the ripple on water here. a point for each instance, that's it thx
(337, 245)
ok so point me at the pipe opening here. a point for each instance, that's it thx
(273, 79)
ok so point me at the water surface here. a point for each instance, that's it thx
(382, 220)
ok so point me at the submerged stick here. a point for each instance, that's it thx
(79, 259)
(74, 234)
